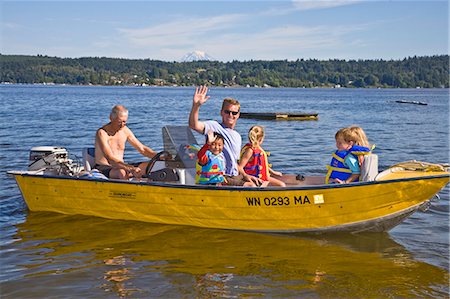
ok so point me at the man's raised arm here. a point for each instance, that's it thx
(199, 99)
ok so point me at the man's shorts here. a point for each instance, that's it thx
(104, 169)
(237, 180)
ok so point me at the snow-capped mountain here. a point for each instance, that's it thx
(196, 56)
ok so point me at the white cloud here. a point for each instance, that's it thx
(321, 4)
(287, 42)
(304, 5)
(184, 31)
(223, 37)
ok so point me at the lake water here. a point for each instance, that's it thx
(46, 255)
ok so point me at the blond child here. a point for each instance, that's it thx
(361, 139)
(254, 160)
(344, 166)
(359, 136)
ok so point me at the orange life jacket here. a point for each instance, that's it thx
(258, 164)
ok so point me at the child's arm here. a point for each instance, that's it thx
(273, 172)
(201, 155)
(211, 137)
(352, 162)
(244, 160)
(352, 178)
(202, 159)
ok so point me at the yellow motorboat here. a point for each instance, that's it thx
(169, 195)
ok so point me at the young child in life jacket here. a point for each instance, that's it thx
(345, 166)
(254, 159)
(211, 161)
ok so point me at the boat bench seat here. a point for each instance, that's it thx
(88, 156)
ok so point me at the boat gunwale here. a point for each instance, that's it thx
(231, 188)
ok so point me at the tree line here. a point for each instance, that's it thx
(411, 72)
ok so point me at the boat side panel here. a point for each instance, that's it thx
(245, 209)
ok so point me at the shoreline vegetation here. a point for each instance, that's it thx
(411, 72)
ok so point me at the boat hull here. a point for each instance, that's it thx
(368, 206)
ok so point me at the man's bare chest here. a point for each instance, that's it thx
(117, 141)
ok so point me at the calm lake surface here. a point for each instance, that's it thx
(46, 255)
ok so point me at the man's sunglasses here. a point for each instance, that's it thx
(232, 112)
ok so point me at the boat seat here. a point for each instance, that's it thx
(369, 168)
(381, 176)
(88, 158)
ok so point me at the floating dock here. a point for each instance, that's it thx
(280, 115)
(411, 102)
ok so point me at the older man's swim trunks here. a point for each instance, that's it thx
(105, 169)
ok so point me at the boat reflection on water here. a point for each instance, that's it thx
(94, 257)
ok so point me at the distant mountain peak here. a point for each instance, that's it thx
(197, 56)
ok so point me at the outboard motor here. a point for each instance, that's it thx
(51, 160)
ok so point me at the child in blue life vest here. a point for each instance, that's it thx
(211, 161)
(254, 161)
(352, 145)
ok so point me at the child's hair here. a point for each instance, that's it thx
(346, 134)
(361, 137)
(255, 134)
(341, 133)
(217, 135)
(355, 134)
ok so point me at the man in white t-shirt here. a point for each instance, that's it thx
(232, 139)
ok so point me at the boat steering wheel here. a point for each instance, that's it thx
(155, 158)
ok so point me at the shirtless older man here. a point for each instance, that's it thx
(110, 146)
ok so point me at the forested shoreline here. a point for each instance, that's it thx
(411, 72)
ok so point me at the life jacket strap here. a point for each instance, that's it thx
(338, 158)
(331, 168)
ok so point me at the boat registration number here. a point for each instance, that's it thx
(284, 200)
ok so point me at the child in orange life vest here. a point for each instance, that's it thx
(351, 145)
(254, 159)
(211, 161)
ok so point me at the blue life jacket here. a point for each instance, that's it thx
(213, 171)
(337, 168)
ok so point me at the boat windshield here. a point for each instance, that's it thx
(181, 143)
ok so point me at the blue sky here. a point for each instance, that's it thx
(227, 30)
